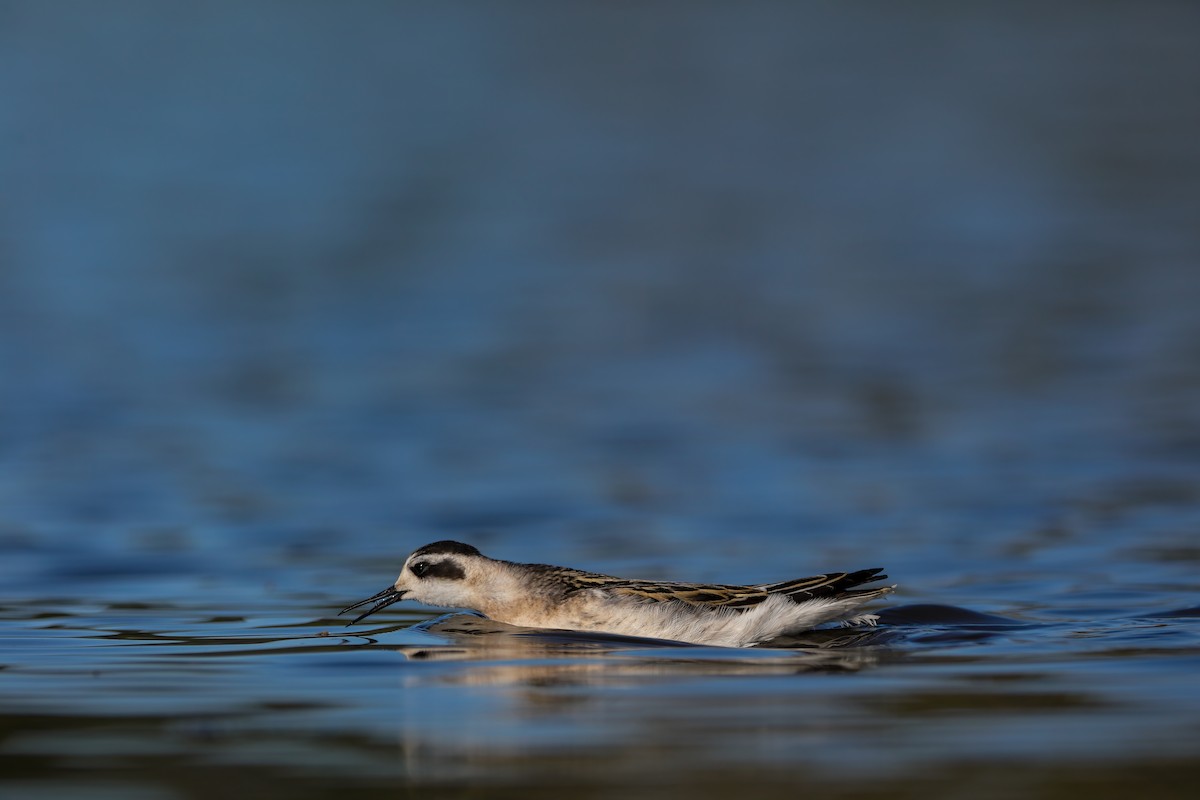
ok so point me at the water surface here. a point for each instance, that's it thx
(709, 293)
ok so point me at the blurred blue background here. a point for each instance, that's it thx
(691, 290)
(361, 265)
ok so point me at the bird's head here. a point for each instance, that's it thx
(439, 574)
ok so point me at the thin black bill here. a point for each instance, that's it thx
(382, 600)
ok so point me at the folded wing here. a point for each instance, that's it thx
(711, 595)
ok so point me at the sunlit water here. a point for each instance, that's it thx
(737, 295)
(264, 689)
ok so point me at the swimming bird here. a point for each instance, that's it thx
(455, 575)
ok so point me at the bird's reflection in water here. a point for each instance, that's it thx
(533, 656)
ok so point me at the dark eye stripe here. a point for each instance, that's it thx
(447, 570)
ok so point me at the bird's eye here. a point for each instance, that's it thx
(419, 568)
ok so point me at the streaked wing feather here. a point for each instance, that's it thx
(833, 584)
(712, 595)
(708, 595)
(693, 594)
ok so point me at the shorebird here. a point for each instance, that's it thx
(455, 575)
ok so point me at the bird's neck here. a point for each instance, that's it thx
(513, 595)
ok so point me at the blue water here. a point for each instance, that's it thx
(711, 293)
